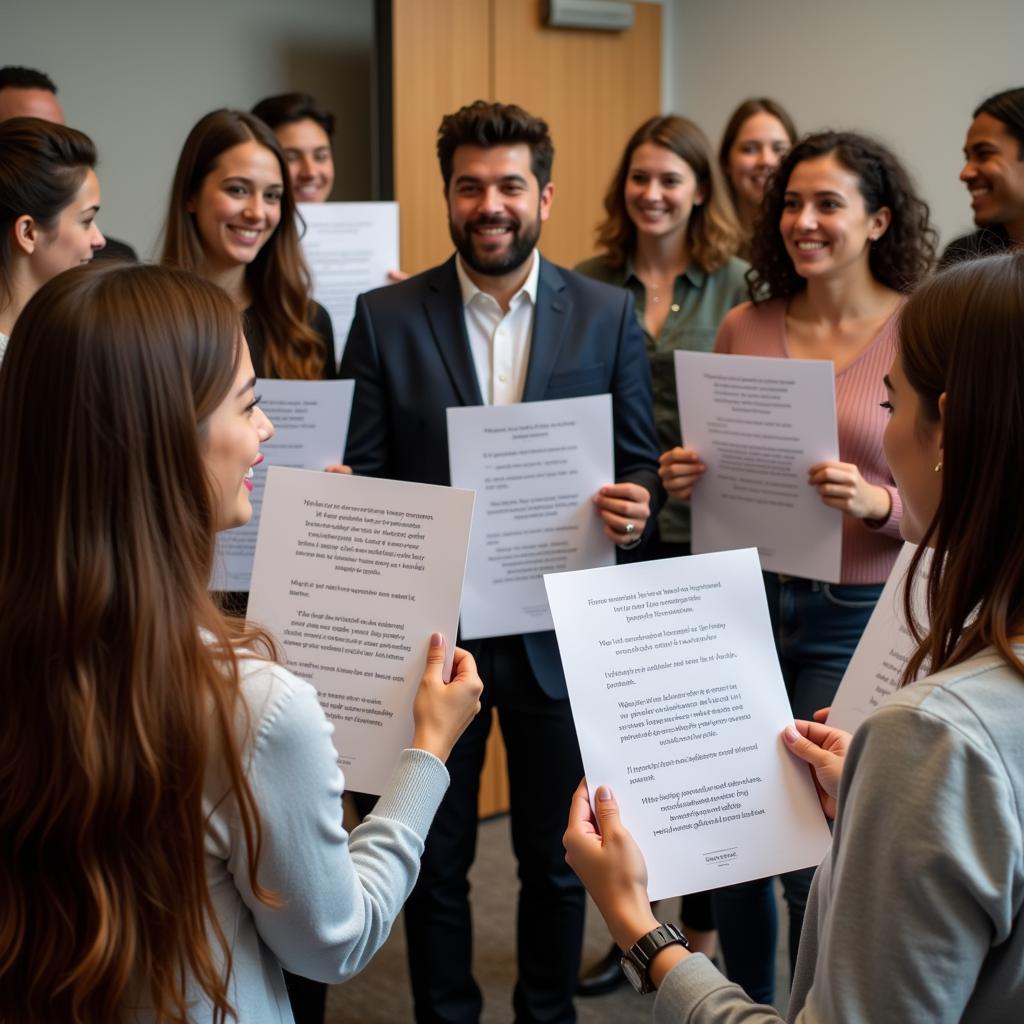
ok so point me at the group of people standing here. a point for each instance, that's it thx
(132, 428)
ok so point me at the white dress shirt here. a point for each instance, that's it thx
(499, 341)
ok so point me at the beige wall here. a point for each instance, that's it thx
(137, 74)
(909, 71)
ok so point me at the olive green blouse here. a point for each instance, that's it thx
(699, 302)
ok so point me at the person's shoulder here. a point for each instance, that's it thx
(599, 269)
(275, 697)
(413, 289)
(973, 703)
(754, 314)
(583, 287)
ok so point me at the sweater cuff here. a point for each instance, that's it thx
(687, 985)
(414, 792)
(890, 526)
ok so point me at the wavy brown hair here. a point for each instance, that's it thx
(713, 233)
(119, 674)
(962, 334)
(899, 259)
(278, 278)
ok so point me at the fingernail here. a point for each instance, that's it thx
(791, 734)
(604, 793)
(436, 640)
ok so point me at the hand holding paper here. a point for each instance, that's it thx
(605, 856)
(680, 470)
(824, 749)
(441, 711)
(841, 486)
(624, 510)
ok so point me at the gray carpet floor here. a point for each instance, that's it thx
(380, 995)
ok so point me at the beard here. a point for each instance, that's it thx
(524, 240)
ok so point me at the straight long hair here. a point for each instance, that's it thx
(278, 279)
(962, 335)
(119, 675)
(712, 234)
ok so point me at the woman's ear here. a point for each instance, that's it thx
(25, 232)
(880, 221)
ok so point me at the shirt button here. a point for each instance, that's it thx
(675, 307)
(502, 378)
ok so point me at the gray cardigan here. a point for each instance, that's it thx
(915, 913)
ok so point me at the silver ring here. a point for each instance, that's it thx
(630, 528)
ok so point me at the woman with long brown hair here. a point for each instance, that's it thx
(232, 219)
(917, 912)
(169, 796)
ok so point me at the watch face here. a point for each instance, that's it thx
(633, 973)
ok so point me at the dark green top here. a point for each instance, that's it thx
(699, 302)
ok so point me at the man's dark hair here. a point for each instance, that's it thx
(1007, 107)
(495, 124)
(13, 77)
(290, 107)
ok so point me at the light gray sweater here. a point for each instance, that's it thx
(341, 894)
(915, 914)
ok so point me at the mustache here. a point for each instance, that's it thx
(492, 220)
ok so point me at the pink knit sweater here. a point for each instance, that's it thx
(868, 550)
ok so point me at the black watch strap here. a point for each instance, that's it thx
(636, 962)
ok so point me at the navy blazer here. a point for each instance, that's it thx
(409, 354)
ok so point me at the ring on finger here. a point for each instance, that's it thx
(629, 529)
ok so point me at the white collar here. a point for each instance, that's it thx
(470, 291)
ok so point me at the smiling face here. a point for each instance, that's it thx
(994, 173)
(75, 239)
(238, 205)
(235, 431)
(757, 151)
(495, 207)
(913, 448)
(826, 228)
(307, 148)
(660, 193)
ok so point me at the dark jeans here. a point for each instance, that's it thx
(817, 627)
(544, 769)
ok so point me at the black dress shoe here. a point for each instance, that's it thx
(604, 977)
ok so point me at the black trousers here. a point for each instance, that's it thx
(544, 768)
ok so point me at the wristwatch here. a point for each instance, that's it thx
(636, 961)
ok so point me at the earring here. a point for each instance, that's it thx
(938, 466)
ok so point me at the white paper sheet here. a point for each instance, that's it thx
(679, 705)
(535, 468)
(310, 420)
(885, 645)
(349, 247)
(759, 424)
(352, 575)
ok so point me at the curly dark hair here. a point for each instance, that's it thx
(899, 259)
(495, 124)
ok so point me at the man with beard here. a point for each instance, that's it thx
(498, 324)
(994, 176)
